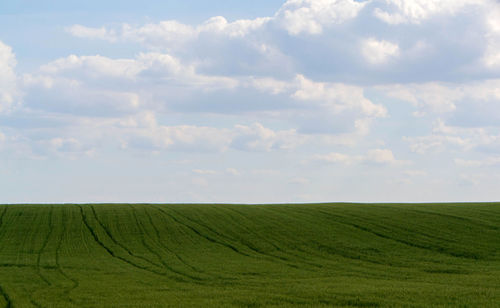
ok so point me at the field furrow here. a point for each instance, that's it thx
(109, 250)
(158, 253)
(116, 242)
(316, 255)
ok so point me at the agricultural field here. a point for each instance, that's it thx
(316, 255)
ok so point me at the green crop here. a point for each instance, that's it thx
(317, 255)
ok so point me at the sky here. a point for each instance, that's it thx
(259, 101)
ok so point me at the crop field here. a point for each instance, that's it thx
(317, 255)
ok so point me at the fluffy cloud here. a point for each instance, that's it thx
(8, 88)
(416, 11)
(379, 52)
(332, 39)
(295, 16)
(146, 65)
(491, 57)
(337, 97)
(446, 98)
(170, 34)
(102, 86)
(335, 158)
(94, 85)
(144, 132)
(428, 97)
(96, 33)
(457, 138)
(318, 76)
(374, 156)
(204, 172)
(259, 138)
(311, 16)
(95, 67)
(487, 162)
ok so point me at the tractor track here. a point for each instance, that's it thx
(75, 282)
(283, 260)
(159, 256)
(44, 244)
(208, 238)
(159, 237)
(110, 251)
(6, 297)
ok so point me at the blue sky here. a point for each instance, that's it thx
(252, 102)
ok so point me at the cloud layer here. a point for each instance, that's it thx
(315, 88)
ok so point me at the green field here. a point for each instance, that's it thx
(319, 255)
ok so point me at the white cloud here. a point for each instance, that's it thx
(460, 138)
(299, 181)
(337, 33)
(233, 171)
(416, 11)
(67, 147)
(295, 16)
(428, 97)
(68, 96)
(94, 33)
(8, 87)
(415, 173)
(436, 143)
(204, 172)
(491, 58)
(152, 65)
(238, 28)
(259, 138)
(170, 34)
(337, 97)
(178, 138)
(101, 85)
(270, 85)
(335, 158)
(380, 156)
(487, 162)
(374, 156)
(143, 132)
(379, 51)
(311, 16)
(94, 67)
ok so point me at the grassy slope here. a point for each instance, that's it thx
(238, 255)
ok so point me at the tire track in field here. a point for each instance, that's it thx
(34, 303)
(6, 297)
(143, 239)
(158, 236)
(108, 233)
(160, 258)
(210, 239)
(431, 235)
(408, 230)
(331, 250)
(110, 251)
(44, 244)
(279, 249)
(2, 215)
(256, 250)
(75, 282)
(1, 218)
(407, 243)
(464, 219)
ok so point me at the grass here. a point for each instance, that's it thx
(322, 255)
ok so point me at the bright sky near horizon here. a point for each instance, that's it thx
(249, 101)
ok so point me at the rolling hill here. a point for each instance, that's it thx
(316, 255)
